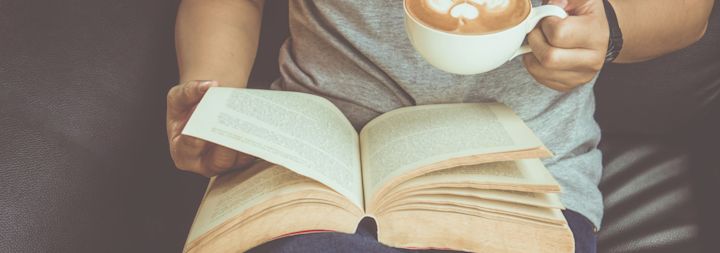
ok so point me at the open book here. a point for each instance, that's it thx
(454, 176)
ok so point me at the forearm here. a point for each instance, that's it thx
(652, 28)
(217, 39)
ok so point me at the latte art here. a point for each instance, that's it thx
(493, 4)
(464, 11)
(469, 16)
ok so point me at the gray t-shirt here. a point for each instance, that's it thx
(356, 54)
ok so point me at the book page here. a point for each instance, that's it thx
(232, 194)
(277, 222)
(405, 139)
(547, 200)
(527, 175)
(304, 133)
(473, 205)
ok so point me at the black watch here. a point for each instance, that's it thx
(615, 42)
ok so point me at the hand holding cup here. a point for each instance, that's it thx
(569, 52)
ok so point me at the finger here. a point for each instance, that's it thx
(175, 126)
(569, 78)
(219, 159)
(187, 152)
(244, 160)
(187, 149)
(563, 59)
(186, 95)
(190, 146)
(572, 32)
(192, 92)
(556, 79)
(177, 110)
(172, 128)
(558, 86)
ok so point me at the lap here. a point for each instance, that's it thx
(364, 240)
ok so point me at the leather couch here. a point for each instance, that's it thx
(84, 165)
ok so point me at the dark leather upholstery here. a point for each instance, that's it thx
(84, 165)
(650, 205)
(83, 158)
(657, 119)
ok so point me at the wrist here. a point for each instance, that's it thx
(615, 38)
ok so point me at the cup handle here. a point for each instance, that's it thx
(538, 13)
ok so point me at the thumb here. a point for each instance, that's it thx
(560, 3)
(184, 96)
(191, 93)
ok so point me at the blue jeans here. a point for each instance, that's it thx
(364, 240)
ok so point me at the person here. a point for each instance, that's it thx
(356, 54)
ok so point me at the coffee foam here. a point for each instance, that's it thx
(465, 11)
(440, 6)
(469, 16)
(493, 4)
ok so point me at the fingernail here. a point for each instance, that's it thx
(211, 83)
(203, 87)
(204, 84)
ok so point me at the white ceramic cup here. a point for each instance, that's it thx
(468, 54)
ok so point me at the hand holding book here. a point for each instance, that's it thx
(190, 153)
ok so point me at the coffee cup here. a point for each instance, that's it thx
(468, 54)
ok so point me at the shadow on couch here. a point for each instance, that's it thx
(84, 165)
